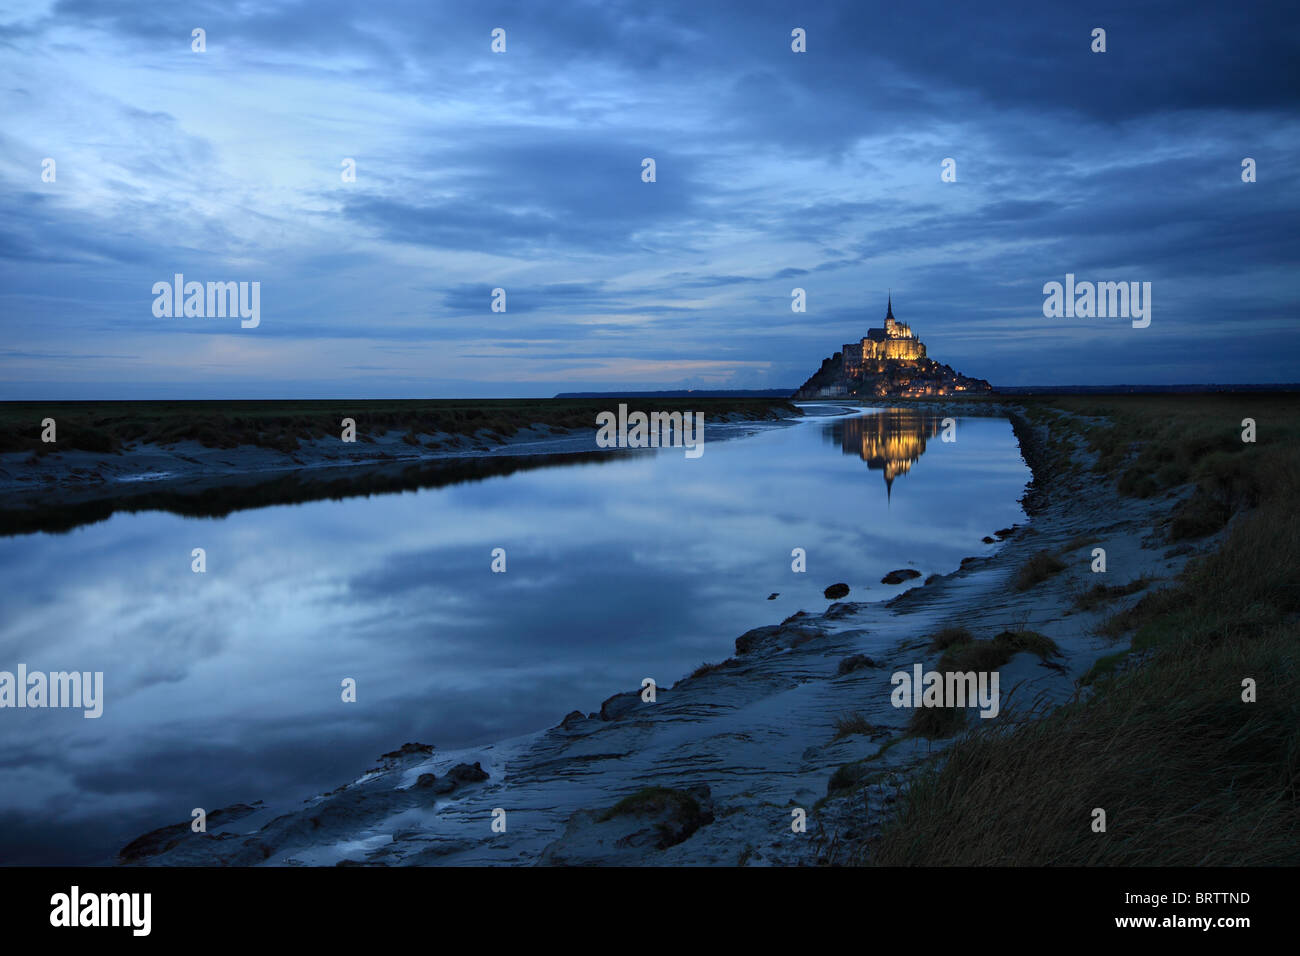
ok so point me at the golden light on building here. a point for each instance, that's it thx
(889, 361)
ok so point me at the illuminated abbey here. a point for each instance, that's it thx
(884, 362)
(895, 342)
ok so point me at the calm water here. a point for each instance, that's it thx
(224, 687)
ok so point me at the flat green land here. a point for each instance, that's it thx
(281, 425)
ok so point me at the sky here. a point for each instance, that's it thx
(522, 170)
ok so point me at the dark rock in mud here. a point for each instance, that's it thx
(836, 591)
(775, 637)
(408, 750)
(622, 704)
(168, 837)
(467, 773)
(655, 818)
(430, 781)
(987, 540)
(773, 596)
(899, 576)
(847, 609)
(462, 773)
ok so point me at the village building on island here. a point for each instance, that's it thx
(889, 361)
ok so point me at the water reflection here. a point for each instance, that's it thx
(221, 496)
(223, 687)
(890, 440)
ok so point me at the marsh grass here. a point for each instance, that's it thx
(1189, 774)
(1041, 566)
(964, 653)
(1100, 594)
(682, 813)
(847, 725)
(282, 425)
(949, 636)
(710, 668)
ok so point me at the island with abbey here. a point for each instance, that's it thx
(887, 362)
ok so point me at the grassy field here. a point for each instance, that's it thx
(109, 426)
(1188, 772)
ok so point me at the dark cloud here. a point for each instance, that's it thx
(523, 171)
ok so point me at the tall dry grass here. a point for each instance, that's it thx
(1187, 772)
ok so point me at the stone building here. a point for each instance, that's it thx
(896, 342)
(890, 361)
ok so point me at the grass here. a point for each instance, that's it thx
(710, 668)
(1162, 604)
(936, 722)
(1153, 444)
(1079, 541)
(1031, 642)
(651, 800)
(963, 653)
(1039, 567)
(847, 725)
(974, 656)
(978, 655)
(1105, 666)
(949, 636)
(683, 812)
(1202, 514)
(847, 776)
(1189, 774)
(1100, 594)
(281, 425)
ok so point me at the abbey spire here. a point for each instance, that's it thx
(888, 361)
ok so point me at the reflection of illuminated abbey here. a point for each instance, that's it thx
(889, 441)
(888, 361)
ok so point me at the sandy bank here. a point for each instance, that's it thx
(66, 471)
(61, 490)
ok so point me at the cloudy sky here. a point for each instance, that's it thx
(523, 170)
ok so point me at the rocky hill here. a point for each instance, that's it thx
(887, 362)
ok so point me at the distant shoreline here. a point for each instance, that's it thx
(210, 459)
(1194, 389)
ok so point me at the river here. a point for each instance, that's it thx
(226, 686)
